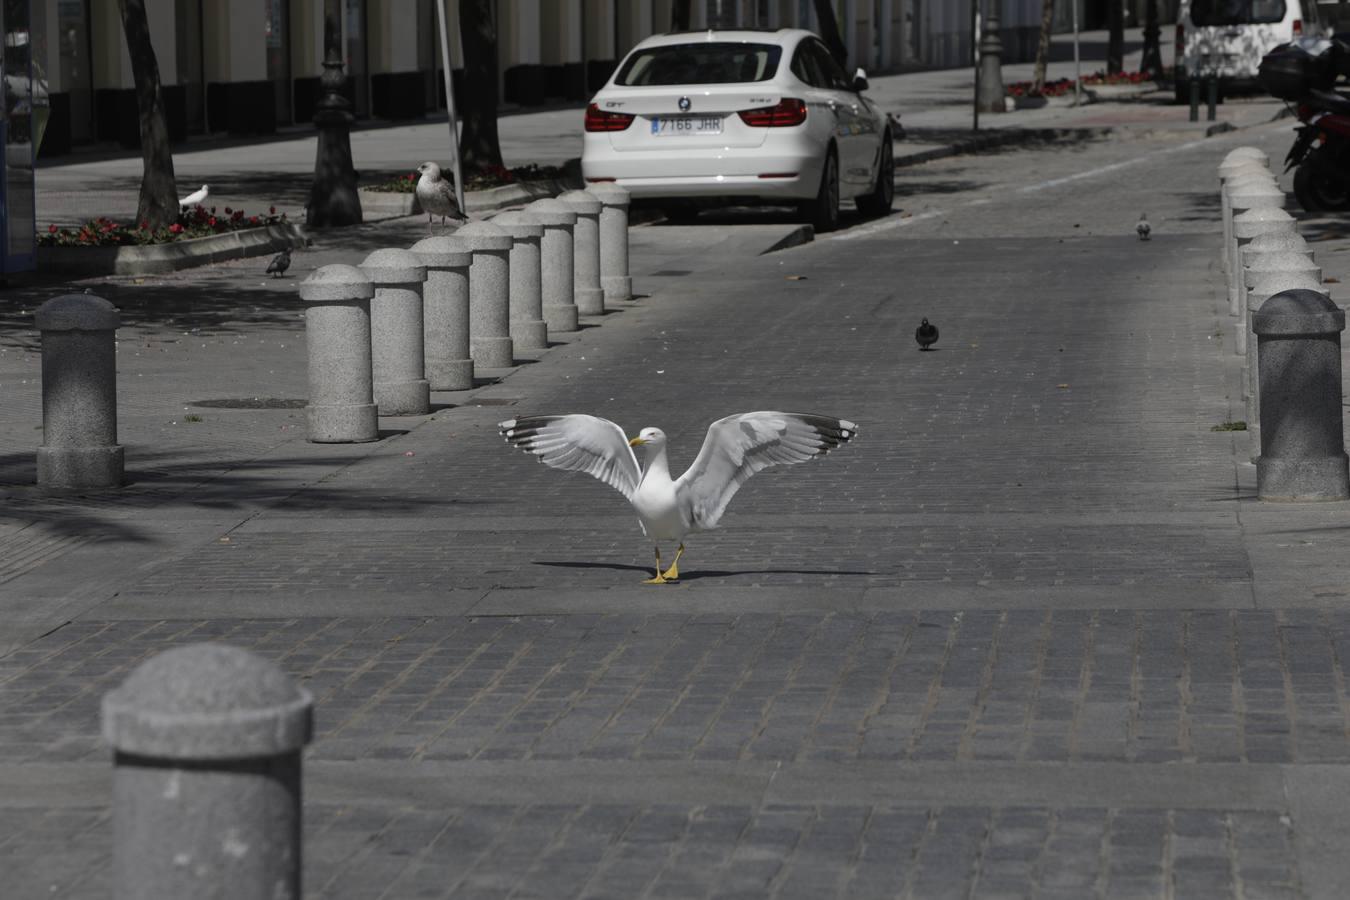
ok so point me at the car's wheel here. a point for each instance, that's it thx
(1317, 191)
(877, 202)
(823, 212)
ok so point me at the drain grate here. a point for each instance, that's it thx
(671, 273)
(494, 401)
(253, 403)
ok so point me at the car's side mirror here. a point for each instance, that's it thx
(860, 81)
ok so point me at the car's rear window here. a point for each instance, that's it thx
(1236, 12)
(701, 63)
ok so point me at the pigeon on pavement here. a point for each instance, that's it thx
(195, 197)
(1143, 229)
(437, 194)
(280, 263)
(926, 335)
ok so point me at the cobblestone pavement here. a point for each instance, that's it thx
(1028, 636)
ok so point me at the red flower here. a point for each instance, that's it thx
(52, 229)
(271, 210)
(211, 221)
(253, 220)
(145, 226)
(228, 210)
(175, 228)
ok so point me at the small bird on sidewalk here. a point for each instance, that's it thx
(926, 335)
(195, 197)
(280, 263)
(1143, 229)
(437, 195)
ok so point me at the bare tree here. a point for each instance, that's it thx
(1115, 36)
(1043, 46)
(679, 15)
(829, 31)
(479, 146)
(158, 204)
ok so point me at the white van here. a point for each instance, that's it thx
(1227, 38)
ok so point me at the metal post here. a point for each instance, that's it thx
(975, 56)
(450, 103)
(333, 199)
(1213, 97)
(1077, 60)
(1195, 99)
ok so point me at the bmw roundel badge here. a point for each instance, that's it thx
(684, 104)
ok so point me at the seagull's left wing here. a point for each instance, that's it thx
(741, 445)
(578, 443)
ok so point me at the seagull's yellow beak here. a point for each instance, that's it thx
(636, 442)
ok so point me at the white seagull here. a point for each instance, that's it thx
(437, 195)
(195, 197)
(736, 448)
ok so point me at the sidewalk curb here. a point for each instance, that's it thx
(156, 259)
(802, 234)
(999, 138)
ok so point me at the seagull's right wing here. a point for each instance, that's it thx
(578, 443)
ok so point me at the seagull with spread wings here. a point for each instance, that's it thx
(668, 509)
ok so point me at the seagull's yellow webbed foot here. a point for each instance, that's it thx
(673, 573)
(658, 578)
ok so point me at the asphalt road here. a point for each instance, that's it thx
(1029, 635)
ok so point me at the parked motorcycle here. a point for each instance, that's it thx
(1304, 73)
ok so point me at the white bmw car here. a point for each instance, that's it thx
(765, 116)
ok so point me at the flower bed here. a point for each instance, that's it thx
(1063, 86)
(194, 223)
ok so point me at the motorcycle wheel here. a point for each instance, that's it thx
(1318, 193)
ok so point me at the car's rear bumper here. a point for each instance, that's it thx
(718, 172)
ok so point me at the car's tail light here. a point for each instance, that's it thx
(598, 119)
(1181, 42)
(1298, 27)
(1305, 112)
(788, 111)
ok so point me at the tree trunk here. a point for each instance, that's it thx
(158, 205)
(829, 32)
(1043, 46)
(679, 15)
(479, 147)
(1115, 41)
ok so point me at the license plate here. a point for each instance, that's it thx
(663, 126)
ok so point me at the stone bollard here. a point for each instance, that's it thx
(337, 330)
(614, 278)
(489, 294)
(528, 330)
(1265, 285)
(1246, 226)
(556, 263)
(445, 312)
(396, 333)
(79, 394)
(1241, 198)
(206, 776)
(587, 293)
(1243, 169)
(1253, 254)
(1302, 444)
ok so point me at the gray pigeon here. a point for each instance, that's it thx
(437, 194)
(1143, 229)
(926, 335)
(280, 263)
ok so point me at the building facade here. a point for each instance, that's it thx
(252, 66)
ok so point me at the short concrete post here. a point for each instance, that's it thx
(1302, 444)
(587, 293)
(528, 330)
(1242, 197)
(397, 339)
(337, 330)
(1265, 286)
(489, 294)
(445, 312)
(614, 278)
(1229, 173)
(556, 263)
(79, 394)
(1253, 254)
(206, 776)
(1246, 226)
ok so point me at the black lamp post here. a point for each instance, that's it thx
(1151, 64)
(332, 198)
(990, 91)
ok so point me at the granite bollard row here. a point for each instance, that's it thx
(384, 334)
(1288, 330)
